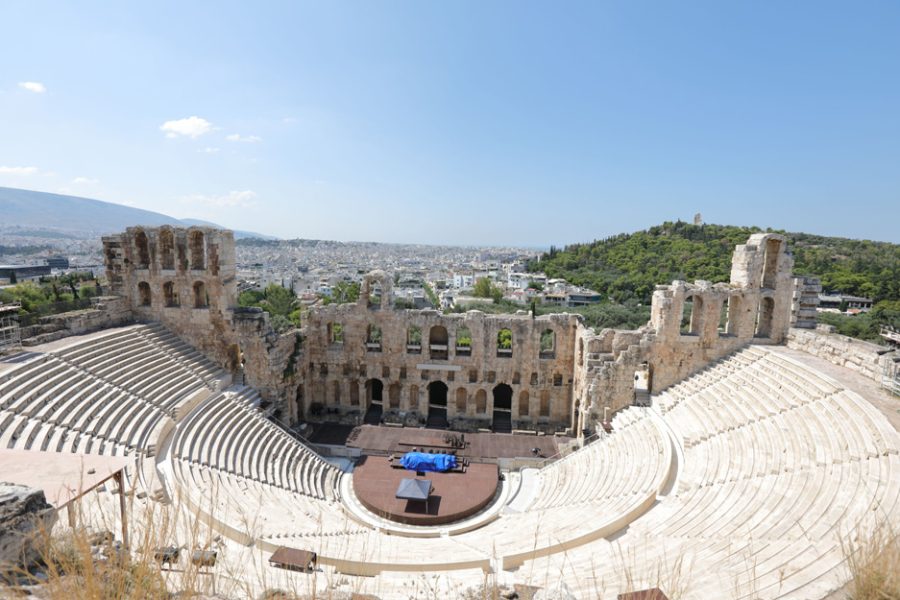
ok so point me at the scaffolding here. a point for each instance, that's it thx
(9, 327)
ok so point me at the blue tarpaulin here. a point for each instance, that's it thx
(420, 461)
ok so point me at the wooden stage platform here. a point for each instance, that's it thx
(454, 497)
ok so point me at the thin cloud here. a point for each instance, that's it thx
(236, 137)
(33, 86)
(208, 150)
(243, 199)
(23, 171)
(192, 127)
(85, 180)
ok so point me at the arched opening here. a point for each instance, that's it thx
(461, 399)
(197, 249)
(413, 397)
(548, 344)
(335, 333)
(142, 250)
(764, 317)
(166, 249)
(481, 402)
(580, 352)
(414, 340)
(201, 298)
(502, 421)
(354, 393)
(545, 403)
(144, 296)
(691, 320)
(170, 296)
(463, 341)
(734, 315)
(437, 405)
(373, 300)
(504, 343)
(374, 401)
(524, 400)
(770, 269)
(394, 395)
(373, 338)
(336, 393)
(437, 342)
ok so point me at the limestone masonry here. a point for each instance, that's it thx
(367, 360)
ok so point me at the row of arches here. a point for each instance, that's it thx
(438, 341)
(729, 318)
(166, 249)
(377, 397)
(170, 296)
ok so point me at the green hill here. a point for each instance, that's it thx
(628, 266)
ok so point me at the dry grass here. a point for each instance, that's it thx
(874, 564)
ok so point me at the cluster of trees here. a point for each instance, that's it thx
(866, 326)
(628, 266)
(484, 288)
(281, 304)
(625, 268)
(342, 293)
(51, 295)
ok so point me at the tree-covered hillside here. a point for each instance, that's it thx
(628, 266)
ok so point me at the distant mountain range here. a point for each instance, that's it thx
(58, 215)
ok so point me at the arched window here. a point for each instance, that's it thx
(373, 338)
(691, 320)
(463, 341)
(548, 344)
(201, 299)
(144, 293)
(504, 343)
(166, 249)
(461, 401)
(437, 342)
(523, 404)
(481, 402)
(414, 340)
(335, 333)
(545, 403)
(336, 392)
(197, 248)
(580, 351)
(142, 250)
(764, 317)
(770, 269)
(394, 395)
(734, 315)
(170, 296)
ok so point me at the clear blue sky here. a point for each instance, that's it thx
(461, 122)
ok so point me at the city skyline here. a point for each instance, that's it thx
(505, 124)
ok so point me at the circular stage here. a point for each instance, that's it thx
(454, 496)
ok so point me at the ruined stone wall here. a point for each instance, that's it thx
(105, 312)
(183, 278)
(865, 358)
(691, 325)
(409, 350)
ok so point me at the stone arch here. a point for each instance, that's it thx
(524, 401)
(144, 295)
(373, 338)
(764, 316)
(374, 402)
(170, 295)
(463, 341)
(394, 395)
(580, 351)
(197, 249)
(461, 399)
(335, 333)
(504, 342)
(502, 418)
(691, 320)
(336, 392)
(481, 402)
(142, 250)
(376, 290)
(201, 298)
(548, 344)
(437, 404)
(438, 338)
(735, 308)
(414, 339)
(545, 403)
(413, 397)
(354, 393)
(770, 264)
(166, 247)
